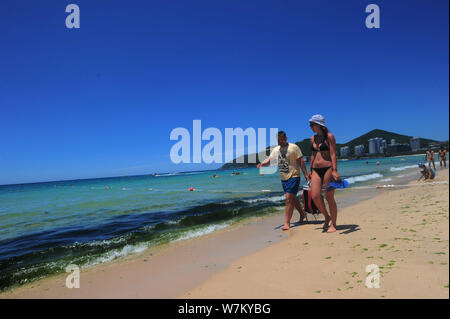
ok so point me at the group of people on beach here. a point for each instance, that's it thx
(442, 155)
(322, 171)
(428, 173)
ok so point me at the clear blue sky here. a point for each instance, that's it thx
(102, 100)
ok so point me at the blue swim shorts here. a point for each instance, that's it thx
(291, 185)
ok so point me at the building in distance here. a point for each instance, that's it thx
(359, 150)
(345, 151)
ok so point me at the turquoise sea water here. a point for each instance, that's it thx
(46, 226)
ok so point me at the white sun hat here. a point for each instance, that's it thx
(318, 119)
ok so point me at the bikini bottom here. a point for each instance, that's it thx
(321, 171)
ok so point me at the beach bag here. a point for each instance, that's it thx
(308, 203)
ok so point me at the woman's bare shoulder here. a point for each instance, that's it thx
(331, 137)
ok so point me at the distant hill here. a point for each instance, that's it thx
(305, 146)
(364, 139)
(244, 159)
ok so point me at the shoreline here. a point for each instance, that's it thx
(184, 264)
(200, 258)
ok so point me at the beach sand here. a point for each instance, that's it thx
(405, 232)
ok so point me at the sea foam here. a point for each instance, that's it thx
(402, 168)
(117, 253)
(363, 178)
(202, 231)
(266, 199)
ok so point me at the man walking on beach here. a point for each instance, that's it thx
(289, 157)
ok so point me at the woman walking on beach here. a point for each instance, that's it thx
(430, 157)
(443, 157)
(323, 169)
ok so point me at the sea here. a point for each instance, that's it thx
(46, 226)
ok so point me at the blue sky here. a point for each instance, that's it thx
(102, 100)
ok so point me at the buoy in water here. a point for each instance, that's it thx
(192, 189)
(106, 187)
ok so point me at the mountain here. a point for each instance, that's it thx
(305, 146)
(388, 136)
(242, 161)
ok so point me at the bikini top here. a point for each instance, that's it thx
(322, 147)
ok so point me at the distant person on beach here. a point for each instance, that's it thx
(443, 157)
(323, 169)
(426, 172)
(430, 157)
(289, 157)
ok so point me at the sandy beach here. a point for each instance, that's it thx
(405, 232)
(402, 231)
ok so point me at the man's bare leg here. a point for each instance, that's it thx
(298, 207)
(289, 211)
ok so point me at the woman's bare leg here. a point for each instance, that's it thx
(329, 195)
(316, 190)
